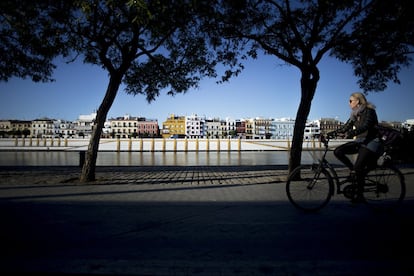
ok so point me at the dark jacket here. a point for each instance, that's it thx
(363, 126)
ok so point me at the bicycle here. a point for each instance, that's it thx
(311, 187)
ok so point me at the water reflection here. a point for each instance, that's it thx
(232, 158)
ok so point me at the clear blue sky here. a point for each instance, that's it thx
(266, 88)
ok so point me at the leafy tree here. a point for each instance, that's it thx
(374, 36)
(150, 46)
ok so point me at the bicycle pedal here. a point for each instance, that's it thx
(349, 191)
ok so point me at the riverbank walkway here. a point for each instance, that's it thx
(191, 220)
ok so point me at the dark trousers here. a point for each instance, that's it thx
(364, 159)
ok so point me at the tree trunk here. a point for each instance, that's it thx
(308, 83)
(88, 169)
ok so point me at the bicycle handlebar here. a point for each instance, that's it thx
(325, 139)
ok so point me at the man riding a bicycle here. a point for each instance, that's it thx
(362, 127)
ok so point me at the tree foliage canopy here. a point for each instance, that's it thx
(375, 36)
(380, 44)
(30, 38)
(156, 45)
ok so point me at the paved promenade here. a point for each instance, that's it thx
(181, 175)
(201, 220)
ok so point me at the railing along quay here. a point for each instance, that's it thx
(157, 144)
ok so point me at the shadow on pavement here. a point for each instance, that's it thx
(102, 237)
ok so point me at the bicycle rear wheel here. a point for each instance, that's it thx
(384, 187)
(309, 189)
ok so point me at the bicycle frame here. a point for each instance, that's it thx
(323, 163)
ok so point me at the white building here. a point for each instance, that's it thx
(228, 128)
(213, 128)
(43, 128)
(312, 130)
(195, 126)
(218, 128)
(107, 130)
(64, 129)
(282, 128)
(409, 124)
(84, 124)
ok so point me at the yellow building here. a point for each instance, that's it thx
(173, 125)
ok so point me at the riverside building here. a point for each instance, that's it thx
(195, 126)
(174, 125)
(132, 127)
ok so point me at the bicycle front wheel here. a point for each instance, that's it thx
(384, 187)
(309, 188)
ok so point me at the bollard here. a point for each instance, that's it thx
(81, 158)
(118, 145)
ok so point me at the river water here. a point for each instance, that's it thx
(231, 158)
